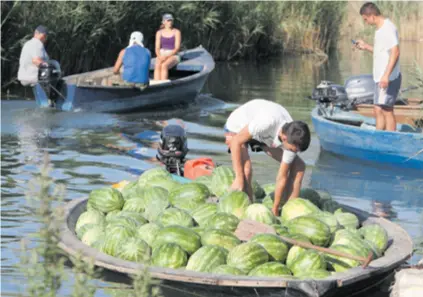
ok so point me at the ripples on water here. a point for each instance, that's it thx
(89, 150)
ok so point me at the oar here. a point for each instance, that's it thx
(248, 228)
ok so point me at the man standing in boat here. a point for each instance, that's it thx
(386, 69)
(267, 126)
(33, 54)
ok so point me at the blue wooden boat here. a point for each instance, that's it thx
(93, 91)
(353, 135)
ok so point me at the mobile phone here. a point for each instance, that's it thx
(353, 41)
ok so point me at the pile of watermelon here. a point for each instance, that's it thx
(159, 221)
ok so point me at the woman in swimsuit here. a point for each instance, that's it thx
(168, 44)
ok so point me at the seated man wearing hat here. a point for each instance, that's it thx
(135, 59)
(33, 54)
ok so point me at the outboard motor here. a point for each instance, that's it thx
(173, 148)
(49, 78)
(360, 89)
(327, 92)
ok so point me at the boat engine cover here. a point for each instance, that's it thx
(328, 92)
(360, 88)
(173, 148)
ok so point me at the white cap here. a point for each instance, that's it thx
(136, 37)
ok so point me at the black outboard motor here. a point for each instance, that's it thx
(173, 148)
(49, 78)
(327, 92)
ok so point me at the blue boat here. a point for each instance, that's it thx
(99, 91)
(353, 135)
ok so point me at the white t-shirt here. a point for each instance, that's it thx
(264, 120)
(386, 37)
(28, 72)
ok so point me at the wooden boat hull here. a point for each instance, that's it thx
(398, 148)
(346, 283)
(407, 114)
(77, 95)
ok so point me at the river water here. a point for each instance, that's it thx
(90, 150)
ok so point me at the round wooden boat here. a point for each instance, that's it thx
(340, 284)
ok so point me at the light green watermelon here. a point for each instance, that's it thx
(274, 246)
(340, 264)
(93, 234)
(175, 216)
(111, 214)
(315, 230)
(134, 204)
(199, 230)
(130, 220)
(223, 221)
(220, 238)
(131, 190)
(376, 235)
(187, 239)
(115, 236)
(260, 213)
(226, 269)
(205, 180)
(347, 219)
(203, 213)
(189, 196)
(89, 217)
(307, 261)
(148, 232)
(165, 183)
(156, 207)
(281, 230)
(270, 269)
(350, 239)
(222, 179)
(313, 274)
(268, 202)
(169, 255)
(152, 194)
(235, 203)
(311, 195)
(247, 256)
(297, 207)
(106, 200)
(153, 173)
(134, 249)
(327, 218)
(269, 188)
(295, 250)
(207, 258)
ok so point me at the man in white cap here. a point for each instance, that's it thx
(135, 59)
(267, 126)
(33, 54)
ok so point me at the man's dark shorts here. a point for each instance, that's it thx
(387, 97)
(255, 146)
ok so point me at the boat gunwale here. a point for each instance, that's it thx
(208, 67)
(397, 253)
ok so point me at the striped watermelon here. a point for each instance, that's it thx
(268, 202)
(341, 264)
(314, 229)
(111, 214)
(327, 218)
(347, 219)
(226, 269)
(106, 200)
(220, 238)
(156, 207)
(297, 207)
(235, 203)
(165, 183)
(330, 206)
(222, 179)
(295, 250)
(169, 255)
(184, 237)
(134, 204)
(207, 258)
(281, 230)
(247, 256)
(175, 216)
(189, 196)
(131, 190)
(376, 235)
(115, 236)
(203, 212)
(347, 238)
(148, 232)
(269, 188)
(199, 230)
(260, 213)
(258, 191)
(311, 195)
(314, 274)
(151, 194)
(205, 180)
(134, 249)
(274, 246)
(223, 221)
(89, 217)
(307, 261)
(124, 220)
(270, 269)
(93, 234)
(153, 173)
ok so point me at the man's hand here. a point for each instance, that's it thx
(237, 185)
(384, 82)
(275, 210)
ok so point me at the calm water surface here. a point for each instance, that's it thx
(87, 150)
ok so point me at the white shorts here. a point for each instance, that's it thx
(168, 52)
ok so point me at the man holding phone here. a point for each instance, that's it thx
(386, 69)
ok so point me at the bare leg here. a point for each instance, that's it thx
(157, 70)
(380, 117)
(248, 172)
(391, 123)
(168, 64)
